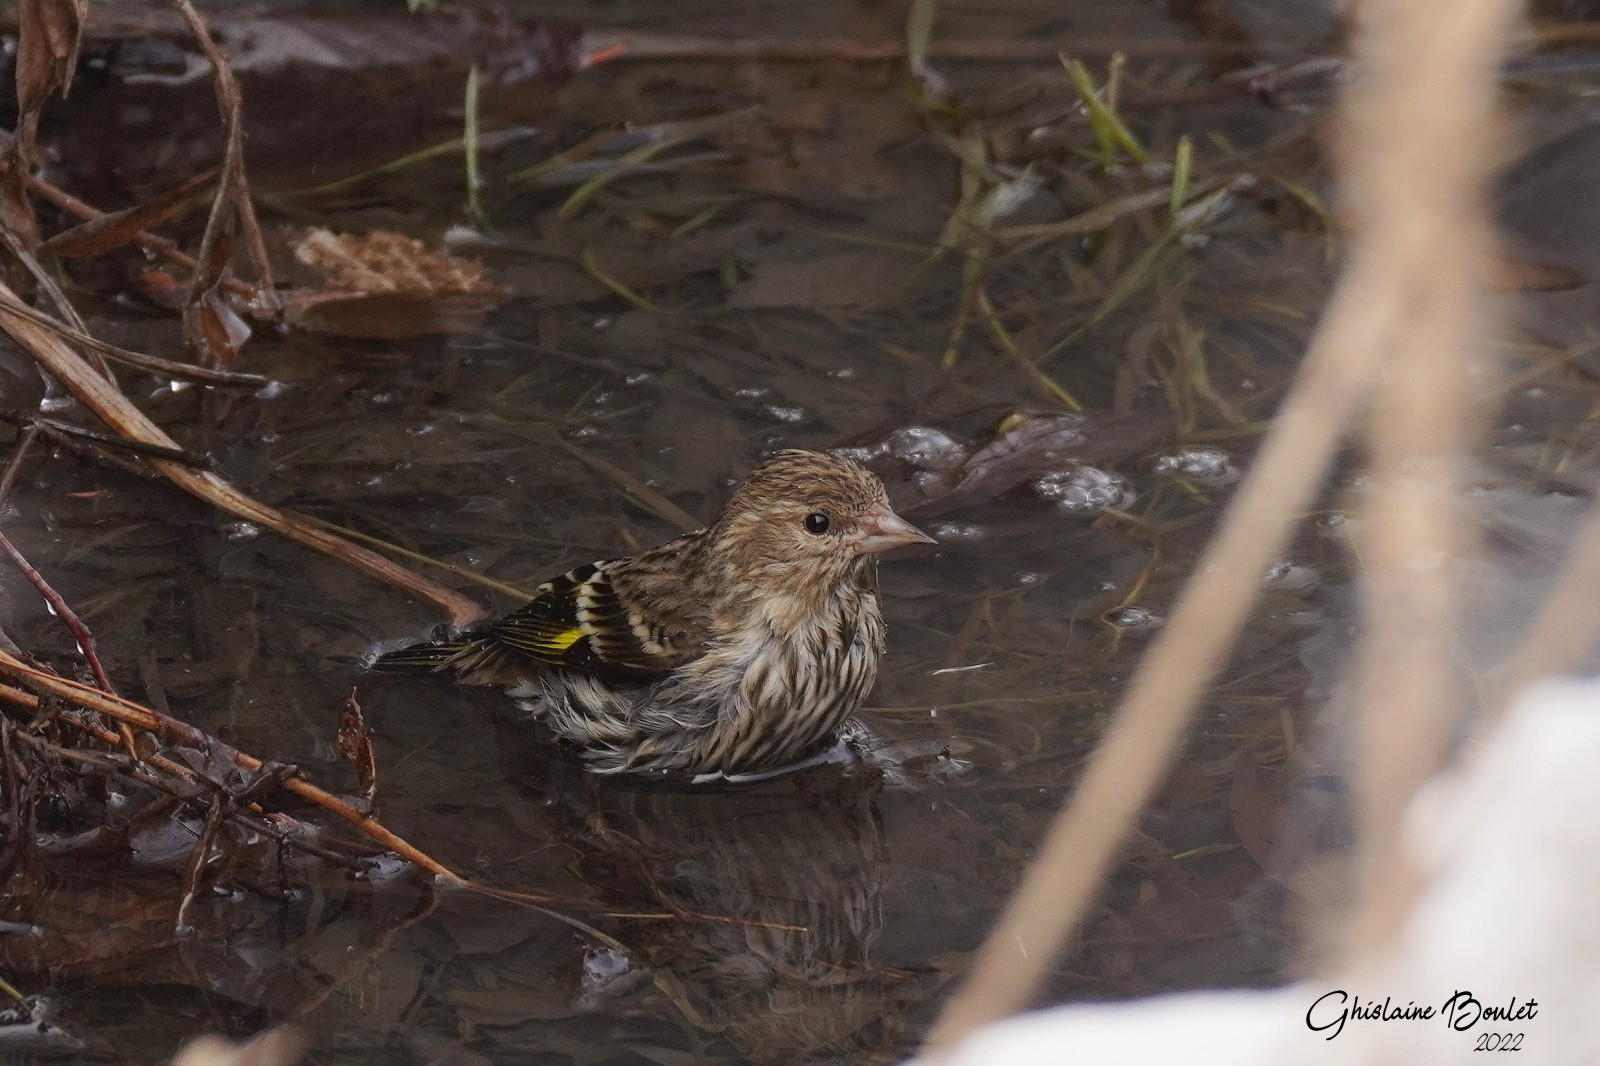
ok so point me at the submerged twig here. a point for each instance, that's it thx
(612, 46)
(13, 468)
(194, 870)
(521, 595)
(61, 610)
(58, 605)
(153, 243)
(172, 730)
(65, 433)
(636, 490)
(118, 412)
(153, 363)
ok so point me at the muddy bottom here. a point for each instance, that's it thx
(813, 253)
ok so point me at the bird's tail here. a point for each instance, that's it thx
(426, 656)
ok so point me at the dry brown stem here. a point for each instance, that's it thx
(232, 212)
(151, 363)
(117, 411)
(150, 242)
(172, 730)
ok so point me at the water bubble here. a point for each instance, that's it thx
(1333, 524)
(951, 531)
(601, 966)
(787, 415)
(386, 398)
(1027, 577)
(638, 378)
(382, 868)
(1197, 463)
(600, 323)
(241, 530)
(269, 437)
(1133, 618)
(863, 453)
(844, 373)
(1084, 489)
(583, 432)
(925, 447)
(753, 392)
(1291, 577)
(422, 429)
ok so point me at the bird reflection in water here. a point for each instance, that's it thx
(780, 884)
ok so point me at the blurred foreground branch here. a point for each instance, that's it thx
(1417, 177)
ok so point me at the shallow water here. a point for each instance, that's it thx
(824, 915)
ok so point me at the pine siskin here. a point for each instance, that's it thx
(734, 651)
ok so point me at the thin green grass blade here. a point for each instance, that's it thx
(469, 146)
(592, 267)
(1182, 168)
(1107, 125)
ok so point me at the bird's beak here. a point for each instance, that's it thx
(883, 530)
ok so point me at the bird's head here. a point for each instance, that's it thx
(798, 523)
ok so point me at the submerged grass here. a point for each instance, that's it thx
(1111, 133)
(469, 150)
(591, 266)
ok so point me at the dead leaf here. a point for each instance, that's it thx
(211, 330)
(111, 231)
(386, 285)
(48, 35)
(47, 49)
(352, 739)
(160, 287)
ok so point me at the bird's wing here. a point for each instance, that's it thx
(578, 621)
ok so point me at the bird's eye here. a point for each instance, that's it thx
(817, 523)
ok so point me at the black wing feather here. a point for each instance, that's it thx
(579, 621)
